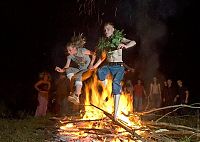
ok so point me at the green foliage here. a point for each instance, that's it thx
(112, 42)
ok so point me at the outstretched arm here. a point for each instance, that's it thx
(129, 68)
(101, 59)
(93, 54)
(61, 70)
(126, 43)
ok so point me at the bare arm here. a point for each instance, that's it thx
(49, 85)
(159, 89)
(93, 59)
(187, 95)
(150, 92)
(37, 84)
(93, 54)
(101, 59)
(67, 64)
(144, 92)
(126, 43)
(61, 70)
(176, 97)
(129, 68)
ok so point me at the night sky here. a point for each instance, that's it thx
(33, 35)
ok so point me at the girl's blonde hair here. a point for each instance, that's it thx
(76, 41)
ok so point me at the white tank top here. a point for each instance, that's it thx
(115, 56)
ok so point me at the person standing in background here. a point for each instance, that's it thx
(42, 86)
(138, 92)
(155, 94)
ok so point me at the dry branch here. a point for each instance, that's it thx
(75, 121)
(170, 125)
(120, 124)
(167, 107)
(96, 131)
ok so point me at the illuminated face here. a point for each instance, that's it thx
(46, 77)
(169, 81)
(154, 79)
(179, 82)
(71, 50)
(108, 30)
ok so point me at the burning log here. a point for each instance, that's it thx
(75, 121)
(147, 136)
(120, 124)
(97, 131)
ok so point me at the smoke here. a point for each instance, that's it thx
(152, 32)
(146, 18)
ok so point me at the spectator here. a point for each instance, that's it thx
(155, 93)
(42, 86)
(139, 92)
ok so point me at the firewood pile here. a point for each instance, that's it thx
(76, 129)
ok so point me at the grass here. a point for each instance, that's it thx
(29, 129)
(191, 121)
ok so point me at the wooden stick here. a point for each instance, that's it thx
(167, 107)
(170, 125)
(101, 131)
(167, 114)
(120, 124)
(75, 121)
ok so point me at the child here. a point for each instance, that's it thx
(80, 56)
(111, 46)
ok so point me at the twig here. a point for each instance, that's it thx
(172, 126)
(167, 107)
(167, 114)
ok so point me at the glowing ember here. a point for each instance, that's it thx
(96, 122)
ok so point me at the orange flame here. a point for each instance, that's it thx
(100, 96)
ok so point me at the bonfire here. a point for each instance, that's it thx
(97, 124)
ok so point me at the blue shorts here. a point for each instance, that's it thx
(117, 72)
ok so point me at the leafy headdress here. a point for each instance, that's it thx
(111, 43)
